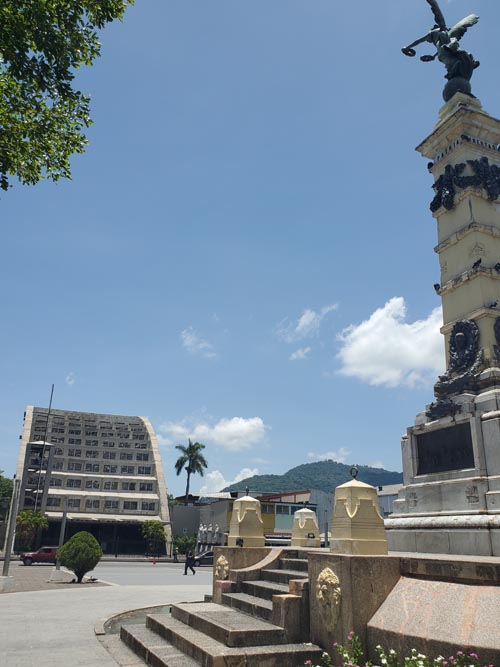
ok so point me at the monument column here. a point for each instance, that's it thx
(450, 502)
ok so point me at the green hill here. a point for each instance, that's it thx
(323, 475)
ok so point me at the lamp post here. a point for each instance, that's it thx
(326, 530)
(11, 525)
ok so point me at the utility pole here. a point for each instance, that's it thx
(11, 526)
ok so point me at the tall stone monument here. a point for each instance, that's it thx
(450, 502)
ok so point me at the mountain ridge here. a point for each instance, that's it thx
(322, 475)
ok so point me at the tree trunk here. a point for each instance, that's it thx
(187, 488)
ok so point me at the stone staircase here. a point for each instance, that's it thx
(258, 623)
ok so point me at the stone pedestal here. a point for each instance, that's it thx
(6, 584)
(450, 502)
(357, 525)
(246, 527)
(305, 530)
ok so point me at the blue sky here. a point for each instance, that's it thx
(245, 252)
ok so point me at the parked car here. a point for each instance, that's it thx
(43, 555)
(206, 558)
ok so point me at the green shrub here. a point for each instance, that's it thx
(184, 544)
(80, 554)
(154, 534)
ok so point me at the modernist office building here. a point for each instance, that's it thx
(105, 471)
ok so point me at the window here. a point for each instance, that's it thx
(267, 508)
(106, 434)
(74, 441)
(59, 451)
(74, 465)
(146, 486)
(91, 443)
(73, 431)
(282, 509)
(56, 481)
(124, 445)
(130, 505)
(91, 433)
(138, 437)
(92, 484)
(123, 435)
(57, 430)
(108, 468)
(127, 470)
(141, 445)
(74, 452)
(126, 456)
(57, 465)
(110, 486)
(91, 467)
(92, 504)
(39, 429)
(148, 507)
(108, 443)
(73, 503)
(53, 502)
(128, 486)
(91, 454)
(111, 504)
(109, 455)
(56, 440)
(73, 483)
(144, 470)
(142, 457)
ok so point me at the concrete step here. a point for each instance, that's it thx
(227, 625)
(249, 604)
(211, 653)
(264, 589)
(153, 649)
(281, 576)
(297, 564)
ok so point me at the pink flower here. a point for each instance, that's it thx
(473, 655)
(460, 653)
(336, 644)
(308, 662)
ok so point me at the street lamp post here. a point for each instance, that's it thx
(5, 582)
(326, 530)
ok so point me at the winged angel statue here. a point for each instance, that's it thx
(459, 63)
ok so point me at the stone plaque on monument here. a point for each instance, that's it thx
(446, 449)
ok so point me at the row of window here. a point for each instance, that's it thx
(57, 440)
(96, 484)
(97, 504)
(94, 454)
(106, 468)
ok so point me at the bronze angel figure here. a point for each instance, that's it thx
(459, 63)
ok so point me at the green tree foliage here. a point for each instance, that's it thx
(80, 554)
(6, 487)
(42, 117)
(184, 544)
(154, 534)
(192, 461)
(28, 523)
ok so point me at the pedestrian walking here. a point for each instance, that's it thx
(189, 563)
(176, 555)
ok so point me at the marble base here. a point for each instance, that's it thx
(454, 510)
(6, 584)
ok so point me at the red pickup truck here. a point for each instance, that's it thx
(43, 555)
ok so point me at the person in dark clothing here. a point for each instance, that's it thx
(189, 563)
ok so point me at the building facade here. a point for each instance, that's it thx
(104, 470)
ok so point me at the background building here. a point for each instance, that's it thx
(104, 470)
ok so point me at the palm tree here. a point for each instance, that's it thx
(192, 460)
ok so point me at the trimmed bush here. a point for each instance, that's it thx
(80, 554)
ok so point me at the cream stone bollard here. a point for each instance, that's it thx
(246, 527)
(305, 531)
(357, 525)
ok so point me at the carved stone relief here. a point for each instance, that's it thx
(221, 568)
(329, 595)
(465, 360)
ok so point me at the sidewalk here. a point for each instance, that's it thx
(55, 628)
(36, 578)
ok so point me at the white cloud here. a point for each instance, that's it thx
(301, 353)
(234, 435)
(307, 326)
(195, 344)
(70, 379)
(340, 456)
(386, 350)
(215, 480)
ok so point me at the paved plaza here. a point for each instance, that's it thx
(52, 625)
